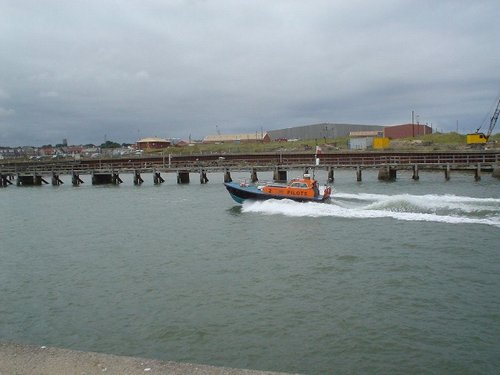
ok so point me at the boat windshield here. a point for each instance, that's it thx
(302, 185)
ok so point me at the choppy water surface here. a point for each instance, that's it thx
(392, 278)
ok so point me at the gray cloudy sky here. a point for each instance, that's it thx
(126, 69)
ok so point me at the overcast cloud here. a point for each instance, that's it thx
(122, 70)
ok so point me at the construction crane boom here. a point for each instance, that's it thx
(493, 120)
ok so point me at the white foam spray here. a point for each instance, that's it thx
(450, 209)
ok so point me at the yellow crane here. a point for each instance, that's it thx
(478, 138)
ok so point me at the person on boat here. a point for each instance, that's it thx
(316, 189)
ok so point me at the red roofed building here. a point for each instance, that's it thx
(152, 143)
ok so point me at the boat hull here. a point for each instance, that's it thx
(241, 193)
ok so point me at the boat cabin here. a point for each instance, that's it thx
(304, 187)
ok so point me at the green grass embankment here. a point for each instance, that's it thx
(429, 142)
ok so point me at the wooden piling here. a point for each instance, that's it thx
(30, 180)
(331, 175)
(415, 173)
(253, 177)
(75, 179)
(496, 172)
(203, 177)
(115, 179)
(280, 175)
(477, 174)
(387, 174)
(183, 177)
(137, 177)
(103, 178)
(5, 180)
(358, 173)
(447, 172)
(56, 180)
(157, 179)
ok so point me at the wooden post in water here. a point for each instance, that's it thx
(56, 180)
(30, 180)
(358, 173)
(104, 178)
(157, 179)
(254, 177)
(331, 175)
(137, 177)
(393, 173)
(447, 172)
(496, 171)
(477, 174)
(115, 179)
(183, 177)
(75, 179)
(415, 172)
(279, 175)
(4, 180)
(203, 177)
(387, 174)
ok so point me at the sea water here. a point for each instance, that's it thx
(390, 278)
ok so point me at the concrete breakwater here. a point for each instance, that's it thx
(107, 171)
(41, 360)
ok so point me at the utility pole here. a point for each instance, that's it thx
(413, 123)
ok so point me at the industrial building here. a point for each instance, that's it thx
(362, 140)
(406, 131)
(330, 130)
(238, 138)
(321, 131)
(360, 136)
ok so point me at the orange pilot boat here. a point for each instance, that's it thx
(305, 189)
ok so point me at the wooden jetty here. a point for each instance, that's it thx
(388, 164)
